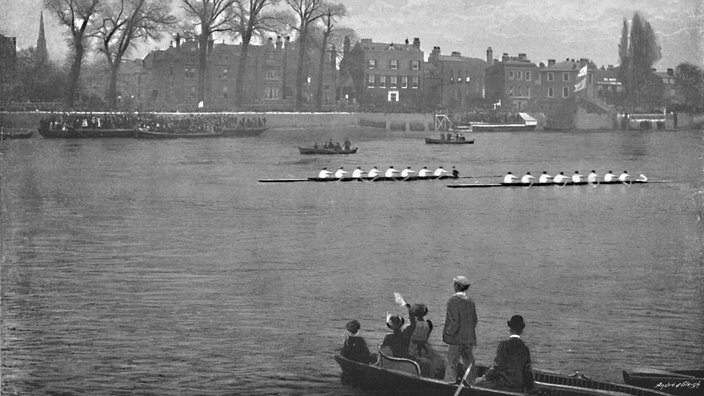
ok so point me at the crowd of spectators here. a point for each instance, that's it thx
(157, 122)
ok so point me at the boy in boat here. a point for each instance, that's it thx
(511, 369)
(355, 348)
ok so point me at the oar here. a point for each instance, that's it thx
(464, 378)
(529, 186)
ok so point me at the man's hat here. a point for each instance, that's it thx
(516, 323)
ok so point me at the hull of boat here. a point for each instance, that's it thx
(531, 185)
(324, 151)
(242, 132)
(447, 141)
(676, 382)
(86, 133)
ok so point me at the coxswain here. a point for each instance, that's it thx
(455, 172)
(642, 178)
(357, 173)
(527, 178)
(340, 173)
(373, 172)
(425, 172)
(561, 178)
(391, 172)
(576, 178)
(592, 177)
(324, 173)
(439, 171)
(609, 177)
(544, 178)
(509, 178)
(407, 172)
(623, 177)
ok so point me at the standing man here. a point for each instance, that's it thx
(459, 330)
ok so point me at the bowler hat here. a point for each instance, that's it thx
(516, 323)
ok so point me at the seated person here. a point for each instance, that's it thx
(511, 369)
(396, 343)
(431, 363)
(355, 348)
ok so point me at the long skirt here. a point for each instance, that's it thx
(431, 363)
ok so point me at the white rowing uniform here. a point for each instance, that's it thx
(609, 177)
(509, 178)
(623, 176)
(560, 178)
(527, 179)
(439, 171)
(357, 173)
(407, 172)
(391, 172)
(424, 172)
(544, 178)
(340, 173)
(576, 178)
(374, 172)
(591, 178)
(324, 173)
(641, 177)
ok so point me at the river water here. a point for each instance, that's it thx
(164, 267)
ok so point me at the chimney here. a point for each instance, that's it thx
(551, 62)
(504, 57)
(434, 55)
(489, 56)
(178, 40)
(671, 72)
(522, 57)
(456, 53)
(416, 42)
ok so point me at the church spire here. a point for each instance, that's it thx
(40, 51)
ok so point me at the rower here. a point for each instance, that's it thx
(439, 171)
(407, 172)
(324, 173)
(642, 178)
(561, 178)
(609, 177)
(424, 172)
(544, 178)
(623, 177)
(357, 173)
(576, 178)
(340, 173)
(391, 172)
(373, 172)
(509, 178)
(592, 177)
(527, 178)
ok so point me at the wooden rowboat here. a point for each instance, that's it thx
(86, 133)
(15, 134)
(318, 150)
(674, 382)
(402, 377)
(448, 141)
(553, 184)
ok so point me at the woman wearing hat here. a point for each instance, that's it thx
(511, 369)
(396, 343)
(431, 363)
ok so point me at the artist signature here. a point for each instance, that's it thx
(683, 384)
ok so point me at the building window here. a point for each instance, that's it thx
(565, 92)
(520, 91)
(589, 78)
(271, 75)
(382, 81)
(189, 72)
(565, 76)
(414, 82)
(510, 75)
(393, 82)
(271, 93)
(393, 64)
(371, 64)
(392, 96)
(404, 82)
(527, 76)
(520, 75)
(551, 76)
(528, 91)
(224, 92)
(551, 92)
(415, 65)
(370, 81)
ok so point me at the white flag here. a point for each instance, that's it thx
(582, 72)
(580, 85)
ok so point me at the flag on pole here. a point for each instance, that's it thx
(582, 72)
(580, 85)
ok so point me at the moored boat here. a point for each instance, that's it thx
(429, 140)
(402, 377)
(320, 150)
(15, 134)
(674, 382)
(144, 134)
(86, 133)
(524, 123)
(242, 132)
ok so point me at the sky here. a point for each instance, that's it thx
(544, 29)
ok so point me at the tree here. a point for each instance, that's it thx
(123, 23)
(77, 16)
(38, 82)
(307, 11)
(643, 52)
(252, 18)
(209, 16)
(691, 80)
(625, 58)
(330, 13)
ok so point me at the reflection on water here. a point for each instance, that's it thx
(164, 267)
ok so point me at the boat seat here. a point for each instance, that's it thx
(398, 364)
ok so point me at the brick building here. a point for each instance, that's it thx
(453, 81)
(511, 81)
(8, 62)
(386, 75)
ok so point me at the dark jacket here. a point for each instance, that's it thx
(460, 321)
(355, 348)
(398, 342)
(512, 368)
